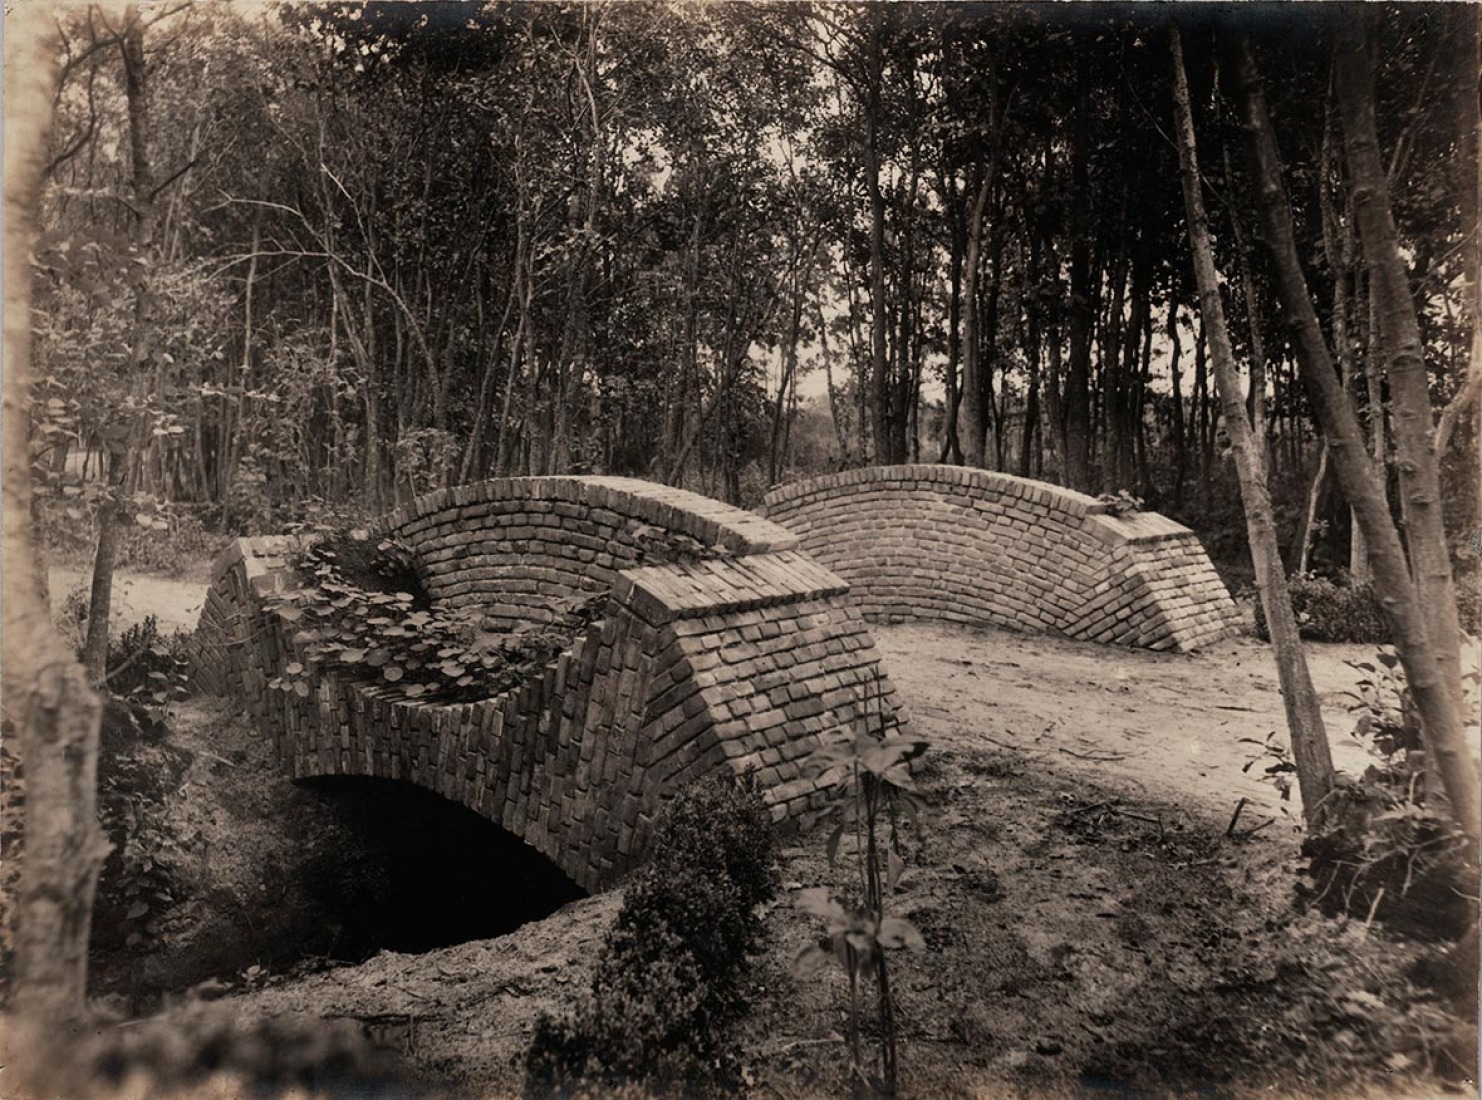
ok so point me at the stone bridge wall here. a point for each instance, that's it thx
(971, 546)
(746, 660)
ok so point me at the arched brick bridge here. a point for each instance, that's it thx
(747, 659)
(976, 547)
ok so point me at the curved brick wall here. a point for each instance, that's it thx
(972, 546)
(744, 660)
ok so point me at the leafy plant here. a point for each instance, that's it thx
(671, 979)
(1388, 849)
(147, 668)
(871, 789)
(1121, 503)
(139, 882)
(1331, 612)
(1279, 767)
(364, 614)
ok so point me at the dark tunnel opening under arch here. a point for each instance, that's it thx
(418, 871)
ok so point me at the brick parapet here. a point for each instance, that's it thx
(977, 547)
(745, 660)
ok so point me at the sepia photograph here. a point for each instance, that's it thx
(774, 549)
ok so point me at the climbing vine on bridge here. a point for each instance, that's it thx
(362, 613)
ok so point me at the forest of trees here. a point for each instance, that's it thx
(298, 260)
(355, 252)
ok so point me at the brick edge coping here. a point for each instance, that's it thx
(710, 522)
(1097, 516)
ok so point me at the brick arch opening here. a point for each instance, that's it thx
(721, 646)
(413, 871)
(976, 547)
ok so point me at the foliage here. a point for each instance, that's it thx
(362, 613)
(1331, 612)
(1387, 849)
(671, 979)
(871, 786)
(137, 886)
(1121, 503)
(147, 668)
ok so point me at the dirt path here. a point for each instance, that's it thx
(1166, 725)
(176, 605)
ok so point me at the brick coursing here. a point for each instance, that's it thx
(976, 547)
(749, 655)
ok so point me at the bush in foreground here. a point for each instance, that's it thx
(672, 974)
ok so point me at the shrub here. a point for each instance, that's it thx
(672, 975)
(1387, 848)
(147, 667)
(1331, 612)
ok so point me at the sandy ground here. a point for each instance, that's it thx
(1164, 725)
(176, 605)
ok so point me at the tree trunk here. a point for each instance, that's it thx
(880, 411)
(828, 379)
(48, 701)
(1307, 526)
(1180, 449)
(100, 595)
(1077, 382)
(1035, 353)
(1409, 384)
(957, 250)
(974, 426)
(1309, 739)
(1338, 248)
(1356, 474)
(110, 516)
(1203, 437)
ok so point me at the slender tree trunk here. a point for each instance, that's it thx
(100, 595)
(880, 411)
(1035, 353)
(1203, 437)
(833, 397)
(951, 446)
(1077, 383)
(1309, 740)
(974, 426)
(1374, 390)
(1307, 527)
(1337, 235)
(48, 700)
(1180, 450)
(1356, 474)
(1409, 383)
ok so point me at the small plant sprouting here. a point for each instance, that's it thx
(871, 785)
(1121, 503)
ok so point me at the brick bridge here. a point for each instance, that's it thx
(749, 656)
(975, 547)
